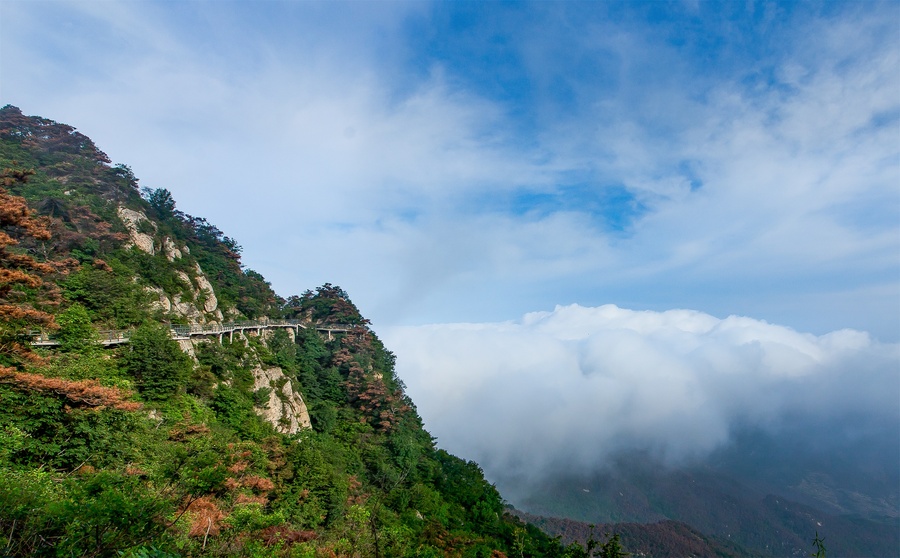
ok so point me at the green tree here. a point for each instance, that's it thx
(819, 543)
(162, 202)
(613, 548)
(76, 334)
(109, 294)
(156, 362)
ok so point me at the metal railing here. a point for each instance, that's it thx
(181, 332)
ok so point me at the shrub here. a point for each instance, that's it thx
(156, 362)
(76, 334)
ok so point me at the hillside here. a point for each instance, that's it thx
(660, 539)
(722, 505)
(270, 427)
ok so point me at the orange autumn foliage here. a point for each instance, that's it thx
(207, 517)
(80, 393)
(238, 467)
(24, 295)
(257, 483)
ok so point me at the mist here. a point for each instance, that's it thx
(565, 392)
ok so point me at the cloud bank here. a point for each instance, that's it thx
(565, 391)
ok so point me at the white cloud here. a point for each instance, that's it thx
(563, 391)
(308, 135)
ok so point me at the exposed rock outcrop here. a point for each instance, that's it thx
(170, 250)
(201, 302)
(187, 347)
(211, 303)
(132, 220)
(191, 308)
(285, 409)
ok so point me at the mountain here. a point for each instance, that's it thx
(157, 398)
(759, 495)
(659, 539)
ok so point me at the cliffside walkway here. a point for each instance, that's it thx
(185, 332)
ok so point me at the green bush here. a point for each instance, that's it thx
(76, 334)
(111, 297)
(156, 362)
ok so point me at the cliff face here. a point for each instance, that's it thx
(150, 240)
(98, 211)
(284, 408)
(198, 305)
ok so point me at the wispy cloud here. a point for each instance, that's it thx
(475, 162)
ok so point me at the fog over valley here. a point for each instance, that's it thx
(565, 392)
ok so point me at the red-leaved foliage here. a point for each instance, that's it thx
(259, 484)
(24, 295)
(281, 534)
(379, 405)
(80, 393)
(207, 517)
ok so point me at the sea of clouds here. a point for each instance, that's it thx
(563, 392)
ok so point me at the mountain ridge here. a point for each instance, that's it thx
(281, 442)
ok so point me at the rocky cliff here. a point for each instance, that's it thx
(199, 304)
(284, 407)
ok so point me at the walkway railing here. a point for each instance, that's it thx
(184, 332)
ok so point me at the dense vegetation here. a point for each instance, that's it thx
(202, 474)
(141, 449)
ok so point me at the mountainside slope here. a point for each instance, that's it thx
(294, 439)
(175, 405)
(718, 504)
(660, 539)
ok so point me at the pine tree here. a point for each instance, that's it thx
(613, 548)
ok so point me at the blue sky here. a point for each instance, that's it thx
(690, 206)
(477, 161)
